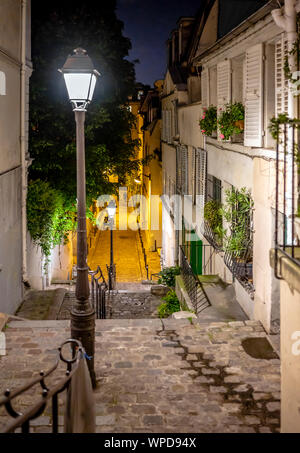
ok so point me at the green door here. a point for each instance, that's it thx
(196, 256)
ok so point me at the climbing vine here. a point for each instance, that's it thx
(276, 123)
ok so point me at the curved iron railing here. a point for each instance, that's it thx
(99, 290)
(211, 237)
(22, 420)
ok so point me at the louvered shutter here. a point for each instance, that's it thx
(194, 175)
(281, 81)
(205, 88)
(163, 130)
(184, 170)
(178, 170)
(201, 175)
(169, 125)
(254, 96)
(224, 83)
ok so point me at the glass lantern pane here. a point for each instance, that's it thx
(78, 85)
(92, 89)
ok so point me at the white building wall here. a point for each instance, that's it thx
(290, 359)
(11, 240)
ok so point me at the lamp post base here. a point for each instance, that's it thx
(83, 329)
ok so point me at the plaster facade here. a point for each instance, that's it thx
(15, 70)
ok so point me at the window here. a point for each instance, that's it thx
(213, 99)
(214, 189)
(238, 79)
(205, 88)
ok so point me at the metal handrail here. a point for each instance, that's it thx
(193, 285)
(287, 240)
(144, 252)
(211, 236)
(23, 420)
(208, 251)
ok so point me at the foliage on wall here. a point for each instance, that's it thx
(110, 148)
(237, 213)
(213, 216)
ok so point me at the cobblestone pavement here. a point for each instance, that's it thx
(131, 305)
(159, 375)
(120, 304)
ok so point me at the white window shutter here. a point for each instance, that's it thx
(169, 125)
(194, 175)
(281, 81)
(184, 169)
(163, 129)
(178, 170)
(254, 96)
(201, 175)
(205, 88)
(223, 83)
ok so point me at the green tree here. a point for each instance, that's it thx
(57, 28)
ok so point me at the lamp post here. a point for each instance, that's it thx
(80, 78)
(111, 209)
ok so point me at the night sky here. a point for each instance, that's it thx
(148, 24)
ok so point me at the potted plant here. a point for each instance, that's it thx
(213, 219)
(231, 121)
(208, 123)
(237, 213)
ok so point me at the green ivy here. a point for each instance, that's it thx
(167, 276)
(231, 120)
(50, 216)
(208, 123)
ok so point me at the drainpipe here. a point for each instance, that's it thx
(287, 21)
(23, 143)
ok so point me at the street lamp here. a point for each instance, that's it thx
(111, 209)
(80, 78)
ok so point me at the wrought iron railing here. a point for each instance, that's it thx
(202, 255)
(48, 395)
(240, 263)
(211, 236)
(98, 292)
(193, 285)
(287, 210)
(144, 253)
